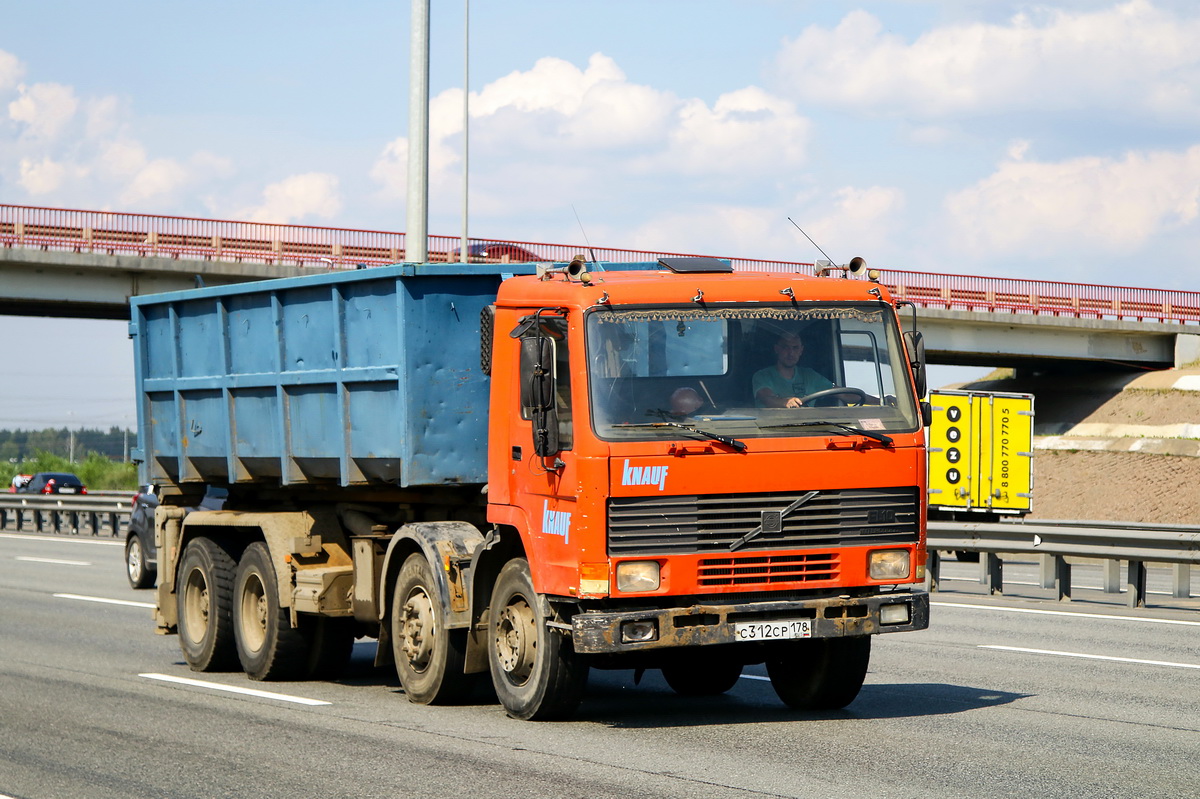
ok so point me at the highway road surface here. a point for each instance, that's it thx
(1001, 697)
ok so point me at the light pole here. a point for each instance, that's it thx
(416, 238)
(462, 249)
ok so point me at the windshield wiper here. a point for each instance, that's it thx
(849, 429)
(720, 439)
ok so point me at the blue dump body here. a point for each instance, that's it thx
(365, 377)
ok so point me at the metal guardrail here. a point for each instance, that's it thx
(1052, 541)
(58, 513)
(1055, 541)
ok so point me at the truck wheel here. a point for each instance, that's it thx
(268, 647)
(429, 657)
(535, 670)
(204, 596)
(139, 574)
(702, 678)
(820, 673)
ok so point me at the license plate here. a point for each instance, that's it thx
(66, 491)
(773, 630)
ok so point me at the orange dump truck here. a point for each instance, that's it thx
(530, 471)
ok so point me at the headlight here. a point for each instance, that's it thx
(636, 576)
(894, 614)
(888, 564)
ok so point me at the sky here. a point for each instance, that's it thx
(1054, 140)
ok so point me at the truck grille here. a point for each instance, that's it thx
(701, 524)
(767, 569)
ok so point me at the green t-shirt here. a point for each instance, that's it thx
(804, 381)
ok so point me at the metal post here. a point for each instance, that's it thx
(1062, 578)
(1048, 563)
(416, 237)
(993, 569)
(1112, 576)
(1135, 583)
(1183, 580)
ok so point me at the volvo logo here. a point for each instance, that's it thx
(772, 521)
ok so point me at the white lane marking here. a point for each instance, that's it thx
(106, 601)
(755, 677)
(1106, 617)
(64, 539)
(52, 560)
(299, 700)
(1093, 657)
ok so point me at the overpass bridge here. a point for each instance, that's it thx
(74, 263)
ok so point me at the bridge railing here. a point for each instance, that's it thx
(116, 233)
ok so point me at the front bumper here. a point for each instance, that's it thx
(599, 632)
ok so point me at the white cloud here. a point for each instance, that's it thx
(121, 159)
(1128, 57)
(102, 115)
(1081, 205)
(1018, 149)
(11, 71)
(297, 197)
(859, 221)
(156, 181)
(747, 130)
(391, 169)
(537, 126)
(45, 108)
(42, 177)
(551, 85)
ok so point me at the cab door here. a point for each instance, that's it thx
(542, 475)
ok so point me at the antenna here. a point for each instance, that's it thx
(584, 232)
(818, 246)
(857, 265)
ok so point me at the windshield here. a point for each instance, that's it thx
(739, 372)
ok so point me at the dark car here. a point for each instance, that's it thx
(502, 251)
(53, 483)
(141, 558)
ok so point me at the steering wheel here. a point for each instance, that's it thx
(835, 391)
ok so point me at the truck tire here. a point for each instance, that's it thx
(268, 647)
(820, 673)
(139, 573)
(535, 670)
(204, 600)
(701, 677)
(429, 657)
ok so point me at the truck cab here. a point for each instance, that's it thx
(662, 505)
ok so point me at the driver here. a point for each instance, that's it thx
(783, 384)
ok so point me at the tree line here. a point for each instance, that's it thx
(100, 458)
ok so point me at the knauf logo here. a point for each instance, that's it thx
(556, 522)
(644, 475)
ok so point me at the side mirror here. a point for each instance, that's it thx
(537, 392)
(914, 342)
